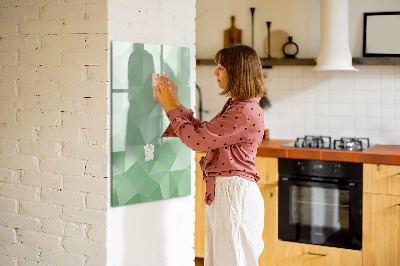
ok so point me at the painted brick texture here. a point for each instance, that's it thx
(53, 132)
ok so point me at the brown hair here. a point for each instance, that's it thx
(245, 78)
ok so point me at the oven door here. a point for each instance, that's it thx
(321, 212)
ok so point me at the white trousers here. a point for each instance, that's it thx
(234, 223)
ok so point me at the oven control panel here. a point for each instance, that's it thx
(331, 169)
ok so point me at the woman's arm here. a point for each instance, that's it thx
(187, 113)
(223, 131)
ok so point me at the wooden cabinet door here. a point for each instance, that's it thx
(381, 179)
(297, 254)
(267, 168)
(270, 233)
(381, 230)
(200, 207)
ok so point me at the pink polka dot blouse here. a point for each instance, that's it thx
(231, 139)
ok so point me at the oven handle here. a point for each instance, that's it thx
(297, 181)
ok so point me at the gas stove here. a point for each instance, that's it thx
(325, 142)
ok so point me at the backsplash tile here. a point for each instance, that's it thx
(364, 103)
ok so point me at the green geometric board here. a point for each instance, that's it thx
(146, 167)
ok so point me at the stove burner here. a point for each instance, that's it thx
(351, 144)
(322, 142)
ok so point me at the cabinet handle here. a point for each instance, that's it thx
(318, 254)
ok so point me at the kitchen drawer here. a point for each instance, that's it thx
(298, 254)
(381, 179)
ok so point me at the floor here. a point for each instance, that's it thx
(199, 262)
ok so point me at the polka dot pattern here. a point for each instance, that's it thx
(231, 139)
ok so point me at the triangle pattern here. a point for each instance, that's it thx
(137, 120)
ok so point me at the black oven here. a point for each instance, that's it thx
(320, 202)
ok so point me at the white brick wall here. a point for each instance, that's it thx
(53, 127)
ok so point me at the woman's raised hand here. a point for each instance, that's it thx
(174, 90)
(164, 95)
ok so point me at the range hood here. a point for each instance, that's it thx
(334, 51)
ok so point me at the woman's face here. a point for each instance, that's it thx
(222, 76)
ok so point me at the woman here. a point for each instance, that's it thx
(235, 207)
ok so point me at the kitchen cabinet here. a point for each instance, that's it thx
(267, 167)
(381, 215)
(270, 233)
(298, 254)
(200, 207)
(381, 221)
(381, 230)
(381, 179)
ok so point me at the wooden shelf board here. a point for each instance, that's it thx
(312, 61)
(376, 61)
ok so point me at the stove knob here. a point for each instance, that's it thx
(301, 166)
(336, 169)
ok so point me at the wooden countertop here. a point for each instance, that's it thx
(379, 154)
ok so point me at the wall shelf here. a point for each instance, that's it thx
(376, 61)
(312, 61)
(288, 62)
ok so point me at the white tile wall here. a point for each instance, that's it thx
(338, 104)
